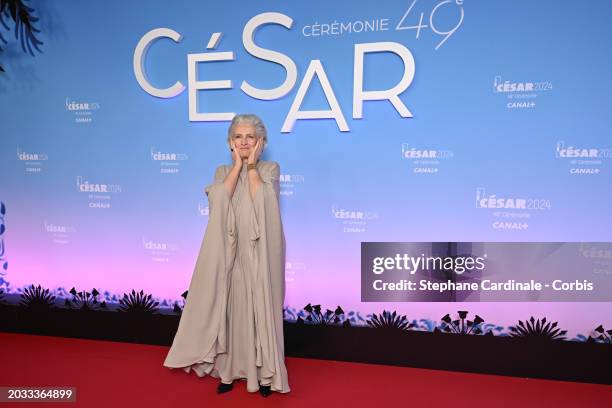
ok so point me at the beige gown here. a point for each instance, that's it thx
(232, 324)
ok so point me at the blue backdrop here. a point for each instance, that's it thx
(103, 182)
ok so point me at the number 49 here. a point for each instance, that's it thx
(420, 25)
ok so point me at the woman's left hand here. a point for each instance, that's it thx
(256, 152)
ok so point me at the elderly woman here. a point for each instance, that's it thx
(232, 323)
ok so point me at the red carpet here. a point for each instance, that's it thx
(110, 374)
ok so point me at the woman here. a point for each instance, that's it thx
(232, 323)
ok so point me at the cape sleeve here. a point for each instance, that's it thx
(268, 252)
(202, 330)
(266, 222)
(220, 174)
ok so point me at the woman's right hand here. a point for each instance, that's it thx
(236, 156)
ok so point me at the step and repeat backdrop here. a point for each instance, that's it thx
(392, 121)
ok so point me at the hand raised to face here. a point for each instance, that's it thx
(256, 151)
(236, 155)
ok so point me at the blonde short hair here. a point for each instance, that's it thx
(248, 119)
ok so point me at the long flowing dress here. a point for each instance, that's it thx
(232, 324)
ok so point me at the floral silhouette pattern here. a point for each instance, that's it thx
(37, 298)
(315, 316)
(138, 302)
(461, 325)
(538, 330)
(84, 300)
(388, 320)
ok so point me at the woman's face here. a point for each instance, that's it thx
(244, 139)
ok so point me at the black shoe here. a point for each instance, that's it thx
(222, 387)
(265, 390)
